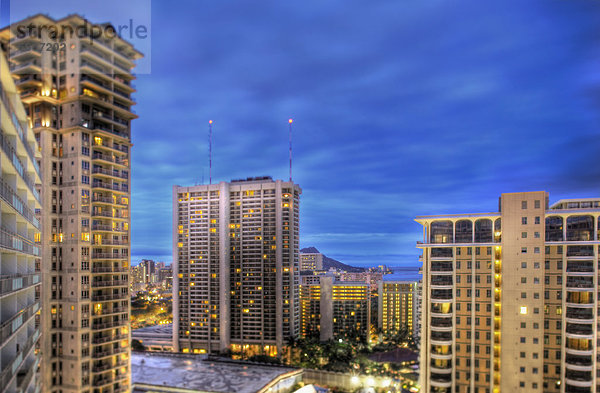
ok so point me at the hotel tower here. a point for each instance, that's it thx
(236, 268)
(77, 96)
(19, 253)
(510, 297)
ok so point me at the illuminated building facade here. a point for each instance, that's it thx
(236, 267)
(78, 99)
(397, 306)
(509, 298)
(19, 253)
(311, 261)
(334, 309)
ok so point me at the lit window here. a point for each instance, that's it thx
(523, 310)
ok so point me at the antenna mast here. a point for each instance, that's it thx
(210, 152)
(290, 121)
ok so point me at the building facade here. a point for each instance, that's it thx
(311, 261)
(509, 299)
(19, 252)
(332, 309)
(236, 266)
(78, 100)
(397, 306)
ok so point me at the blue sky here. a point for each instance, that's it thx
(401, 109)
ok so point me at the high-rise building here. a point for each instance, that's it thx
(235, 266)
(19, 254)
(311, 261)
(78, 99)
(509, 297)
(334, 309)
(396, 308)
(149, 271)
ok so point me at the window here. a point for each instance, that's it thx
(523, 280)
(524, 235)
(522, 355)
(536, 265)
(537, 220)
(536, 235)
(523, 204)
(85, 151)
(85, 179)
(524, 265)
(524, 220)
(522, 369)
(536, 204)
(523, 340)
(536, 250)
(523, 250)
(85, 165)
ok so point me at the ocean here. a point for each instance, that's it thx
(403, 273)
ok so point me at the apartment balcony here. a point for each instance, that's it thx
(575, 314)
(111, 159)
(110, 173)
(108, 283)
(441, 337)
(28, 80)
(27, 67)
(441, 282)
(25, 375)
(103, 380)
(578, 378)
(111, 243)
(441, 253)
(96, 84)
(441, 295)
(579, 283)
(438, 267)
(11, 325)
(108, 352)
(106, 200)
(110, 215)
(9, 369)
(109, 325)
(574, 330)
(109, 297)
(443, 380)
(109, 338)
(108, 311)
(101, 366)
(578, 362)
(107, 228)
(579, 351)
(109, 269)
(16, 282)
(108, 255)
(576, 388)
(578, 268)
(441, 366)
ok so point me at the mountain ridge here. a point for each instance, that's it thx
(328, 262)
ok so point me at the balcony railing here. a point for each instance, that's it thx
(13, 241)
(11, 197)
(11, 153)
(21, 129)
(114, 173)
(105, 339)
(108, 255)
(11, 368)
(580, 282)
(104, 298)
(15, 282)
(108, 283)
(10, 326)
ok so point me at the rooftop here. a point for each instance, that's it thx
(197, 373)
